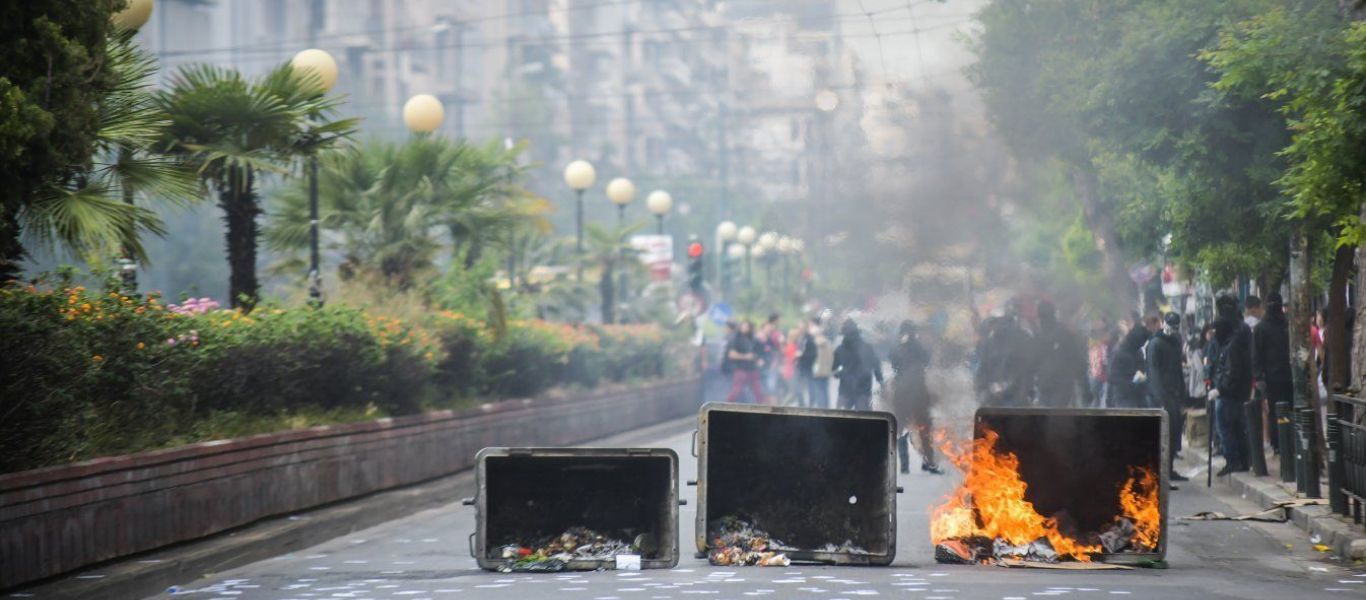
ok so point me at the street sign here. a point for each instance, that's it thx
(657, 253)
(720, 313)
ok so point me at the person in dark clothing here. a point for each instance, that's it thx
(1166, 385)
(1271, 357)
(911, 399)
(1004, 370)
(1060, 363)
(745, 357)
(856, 366)
(1126, 371)
(1231, 378)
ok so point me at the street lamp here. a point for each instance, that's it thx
(135, 15)
(579, 176)
(659, 202)
(621, 192)
(768, 241)
(746, 237)
(321, 68)
(725, 234)
(423, 113)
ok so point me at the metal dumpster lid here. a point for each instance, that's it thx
(795, 411)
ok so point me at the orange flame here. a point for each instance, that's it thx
(991, 503)
(1141, 504)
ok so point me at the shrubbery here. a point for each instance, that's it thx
(86, 374)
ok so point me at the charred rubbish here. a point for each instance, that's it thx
(551, 509)
(737, 543)
(1048, 486)
(822, 482)
(576, 544)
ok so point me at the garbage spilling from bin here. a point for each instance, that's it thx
(575, 544)
(988, 519)
(737, 543)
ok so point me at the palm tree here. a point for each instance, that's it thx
(396, 206)
(235, 130)
(95, 212)
(610, 249)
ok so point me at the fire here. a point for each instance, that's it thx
(1141, 503)
(990, 503)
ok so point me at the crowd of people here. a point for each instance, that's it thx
(797, 368)
(1238, 364)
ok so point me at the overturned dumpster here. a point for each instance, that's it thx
(553, 509)
(1054, 485)
(778, 484)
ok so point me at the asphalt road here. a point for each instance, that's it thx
(425, 556)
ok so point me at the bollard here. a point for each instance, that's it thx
(1253, 425)
(1285, 430)
(1306, 469)
(1336, 499)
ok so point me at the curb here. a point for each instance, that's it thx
(1346, 539)
(151, 573)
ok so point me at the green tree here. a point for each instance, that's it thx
(234, 130)
(1312, 63)
(96, 212)
(395, 206)
(51, 82)
(609, 249)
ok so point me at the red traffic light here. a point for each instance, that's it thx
(694, 249)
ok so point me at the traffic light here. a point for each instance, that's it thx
(695, 262)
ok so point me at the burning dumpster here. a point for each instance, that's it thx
(1049, 485)
(783, 483)
(552, 509)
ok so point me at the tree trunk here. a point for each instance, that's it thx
(11, 244)
(608, 292)
(1359, 336)
(240, 209)
(1103, 229)
(1301, 353)
(1335, 327)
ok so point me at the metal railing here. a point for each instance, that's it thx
(1345, 439)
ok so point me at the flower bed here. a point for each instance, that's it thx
(88, 374)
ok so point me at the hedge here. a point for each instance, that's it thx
(86, 374)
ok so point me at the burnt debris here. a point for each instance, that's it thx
(556, 552)
(736, 542)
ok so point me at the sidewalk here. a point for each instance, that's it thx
(1346, 539)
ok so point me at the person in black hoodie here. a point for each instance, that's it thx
(856, 366)
(1166, 385)
(1231, 378)
(1271, 356)
(1060, 363)
(911, 398)
(1126, 385)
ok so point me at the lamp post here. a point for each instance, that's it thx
(746, 237)
(131, 18)
(135, 15)
(725, 234)
(423, 113)
(659, 202)
(768, 243)
(621, 192)
(321, 68)
(785, 249)
(579, 176)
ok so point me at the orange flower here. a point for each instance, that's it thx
(97, 358)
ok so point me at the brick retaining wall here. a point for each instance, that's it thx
(59, 519)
